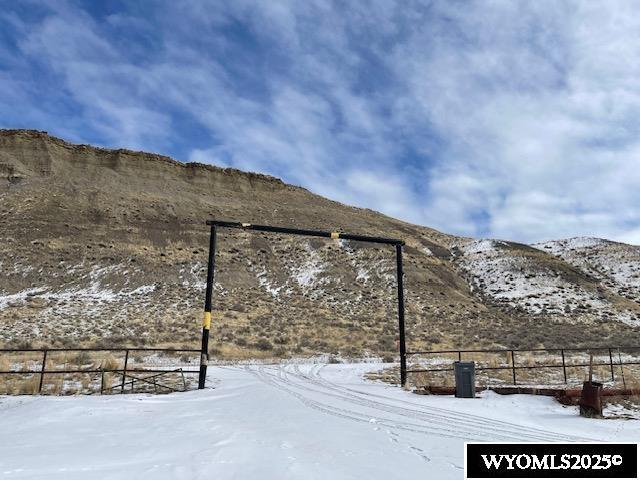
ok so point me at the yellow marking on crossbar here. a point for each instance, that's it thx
(245, 225)
(335, 234)
(206, 322)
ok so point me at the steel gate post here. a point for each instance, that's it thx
(42, 370)
(206, 322)
(403, 351)
(613, 378)
(124, 371)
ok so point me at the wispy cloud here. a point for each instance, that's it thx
(504, 119)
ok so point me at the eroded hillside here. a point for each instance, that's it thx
(109, 247)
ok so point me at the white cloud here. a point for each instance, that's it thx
(504, 119)
(539, 106)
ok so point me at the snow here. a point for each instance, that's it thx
(312, 421)
(612, 261)
(195, 277)
(559, 246)
(362, 275)
(481, 246)
(11, 298)
(615, 265)
(264, 282)
(511, 278)
(616, 410)
(93, 295)
(307, 273)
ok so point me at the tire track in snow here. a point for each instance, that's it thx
(443, 417)
(451, 416)
(442, 427)
(353, 415)
(405, 413)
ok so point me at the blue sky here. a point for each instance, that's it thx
(505, 119)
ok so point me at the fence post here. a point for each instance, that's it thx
(101, 380)
(613, 378)
(624, 383)
(513, 366)
(459, 356)
(42, 370)
(206, 322)
(184, 382)
(401, 328)
(564, 366)
(124, 371)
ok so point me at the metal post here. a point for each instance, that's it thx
(513, 366)
(184, 382)
(403, 351)
(42, 370)
(206, 323)
(124, 370)
(564, 366)
(459, 356)
(624, 383)
(613, 378)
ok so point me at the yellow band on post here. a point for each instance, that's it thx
(245, 225)
(335, 234)
(206, 322)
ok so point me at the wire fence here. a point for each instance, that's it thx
(96, 370)
(537, 366)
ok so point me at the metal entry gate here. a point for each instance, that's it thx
(215, 224)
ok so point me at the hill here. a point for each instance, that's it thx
(108, 247)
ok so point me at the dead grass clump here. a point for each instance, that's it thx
(82, 358)
(53, 384)
(632, 378)
(110, 363)
(5, 380)
(5, 364)
(29, 386)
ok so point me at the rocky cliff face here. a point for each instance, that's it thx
(109, 246)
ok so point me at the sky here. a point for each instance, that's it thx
(503, 119)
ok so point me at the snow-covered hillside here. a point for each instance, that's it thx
(276, 422)
(617, 264)
(517, 276)
(580, 278)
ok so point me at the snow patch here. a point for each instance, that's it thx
(8, 299)
(264, 282)
(307, 273)
(258, 423)
(511, 278)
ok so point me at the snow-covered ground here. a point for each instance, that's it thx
(309, 421)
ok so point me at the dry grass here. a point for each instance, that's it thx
(548, 371)
(30, 386)
(109, 362)
(16, 384)
(632, 376)
(53, 384)
(57, 383)
(5, 364)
